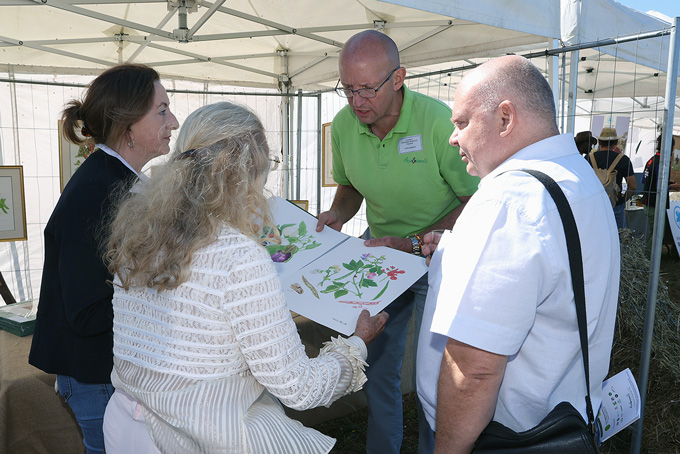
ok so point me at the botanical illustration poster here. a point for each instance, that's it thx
(296, 242)
(327, 157)
(71, 155)
(330, 277)
(12, 204)
(6, 204)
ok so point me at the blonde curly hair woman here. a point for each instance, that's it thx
(204, 345)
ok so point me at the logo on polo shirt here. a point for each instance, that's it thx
(415, 161)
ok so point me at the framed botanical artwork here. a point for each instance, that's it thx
(12, 204)
(326, 157)
(304, 204)
(71, 156)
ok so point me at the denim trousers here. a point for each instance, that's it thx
(88, 402)
(620, 216)
(383, 388)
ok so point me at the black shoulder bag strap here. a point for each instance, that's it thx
(576, 265)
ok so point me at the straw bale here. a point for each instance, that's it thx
(661, 430)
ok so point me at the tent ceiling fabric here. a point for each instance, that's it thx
(633, 69)
(241, 42)
(261, 43)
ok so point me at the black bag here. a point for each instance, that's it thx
(563, 431)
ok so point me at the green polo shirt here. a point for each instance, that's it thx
(411, 178)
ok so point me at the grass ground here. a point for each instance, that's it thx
(350, 431)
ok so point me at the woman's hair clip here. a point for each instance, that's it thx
(85, 132)
(186, 154)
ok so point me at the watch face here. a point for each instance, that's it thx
(416, 245)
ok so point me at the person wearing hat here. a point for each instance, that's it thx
(585, 142)
(604, 157)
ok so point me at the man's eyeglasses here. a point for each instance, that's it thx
(363, 92)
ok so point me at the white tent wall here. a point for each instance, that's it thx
(29, 111)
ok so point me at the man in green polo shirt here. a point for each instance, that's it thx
(390, 147)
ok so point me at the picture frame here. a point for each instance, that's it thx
(12, 204)
(326, 157)
(304, 204)
(71, 155)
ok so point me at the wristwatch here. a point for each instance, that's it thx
(417, 244)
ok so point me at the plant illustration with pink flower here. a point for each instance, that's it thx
(291, 239)
(363, 274)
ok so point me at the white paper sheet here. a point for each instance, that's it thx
(330, 277)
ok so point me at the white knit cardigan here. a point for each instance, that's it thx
(210, 360)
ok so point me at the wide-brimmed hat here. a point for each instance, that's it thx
(585, 136)
(608, 134)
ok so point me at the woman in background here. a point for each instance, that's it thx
(125, 110)
(204, 344)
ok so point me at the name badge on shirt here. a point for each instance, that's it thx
(410, 144)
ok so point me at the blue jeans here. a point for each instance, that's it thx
(620, 216)
(383, 388)
(88, 402)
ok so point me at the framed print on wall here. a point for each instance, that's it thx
(326, 157)
(71, 155)
(304, 204)
(12, 204)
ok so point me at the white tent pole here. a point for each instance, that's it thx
(319, 166)
(573, 90)
(284, 141)
(298, 160)
(563, 97)
(17, 159)
(554, 75)
(659, 225)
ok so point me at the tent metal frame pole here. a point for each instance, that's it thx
(573, 90)
(564, 93)
(319, 157)
(290, 191)
(554, 75)
(285, 113)
(298, 171)
(657, 234)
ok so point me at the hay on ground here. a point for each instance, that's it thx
(661, 430)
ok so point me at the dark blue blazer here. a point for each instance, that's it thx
(74, 326)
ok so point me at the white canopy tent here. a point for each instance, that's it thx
(257, 43)
(267, 44)
(291, 46)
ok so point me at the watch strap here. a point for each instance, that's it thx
(417, 244)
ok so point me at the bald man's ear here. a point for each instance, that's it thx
(508, 117)
(399, 76)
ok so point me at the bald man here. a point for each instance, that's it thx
(500, 338)
(390, 148)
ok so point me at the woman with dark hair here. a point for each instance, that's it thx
(126, 111)
(205, 347)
